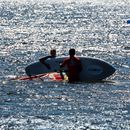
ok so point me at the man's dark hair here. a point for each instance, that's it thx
(72, 52)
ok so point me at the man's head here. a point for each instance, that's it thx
(72, 52)
(53, 52)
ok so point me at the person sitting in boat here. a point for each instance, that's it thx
(52, 55)
(74, 66)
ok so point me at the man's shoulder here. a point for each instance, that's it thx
(66, 59)
(74, 58)
(77, 58)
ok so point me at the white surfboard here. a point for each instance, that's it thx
(93, 69)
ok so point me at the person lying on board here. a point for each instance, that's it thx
(74, 66)
(52, 55)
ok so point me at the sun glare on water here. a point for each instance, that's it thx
(75, 1)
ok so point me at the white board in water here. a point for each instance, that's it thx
(93, 69)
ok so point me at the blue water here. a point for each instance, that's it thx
(28, 30)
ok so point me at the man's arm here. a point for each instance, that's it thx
(42, 60)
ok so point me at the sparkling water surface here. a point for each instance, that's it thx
(29, 29)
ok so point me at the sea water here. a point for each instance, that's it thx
(29, 29)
